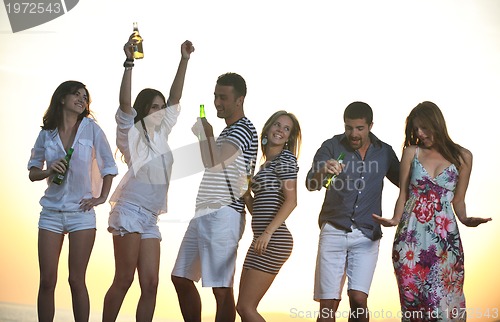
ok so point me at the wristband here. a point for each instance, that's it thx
(128, 63)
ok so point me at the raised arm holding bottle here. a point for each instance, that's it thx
(141, 196)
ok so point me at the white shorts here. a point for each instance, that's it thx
(127, 218)
(208, 249)
(61, 222)
(342, 253)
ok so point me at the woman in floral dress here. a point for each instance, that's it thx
(427, 254)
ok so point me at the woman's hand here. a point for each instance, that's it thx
(186, 49)
(128, 48)
(474, 221)
(261, 242)
(384, 221)
(87, 204)
(58, 166)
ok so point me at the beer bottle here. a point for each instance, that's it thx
(327, 181)
(202, 111)
(138, 51)
(59, 177)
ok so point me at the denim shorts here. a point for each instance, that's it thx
(66, 222)
(128, 218)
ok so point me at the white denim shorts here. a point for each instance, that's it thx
(127, 218)
(341, 254)
(208, 249)
(66, 222)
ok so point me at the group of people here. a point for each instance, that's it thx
(427, 254)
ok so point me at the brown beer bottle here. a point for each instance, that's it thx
(138, 51)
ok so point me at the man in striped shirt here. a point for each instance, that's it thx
(208, 250)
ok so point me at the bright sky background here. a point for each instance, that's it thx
(311, 58)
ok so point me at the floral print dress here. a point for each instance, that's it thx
(427, 252)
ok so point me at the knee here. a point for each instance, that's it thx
(48, 282)
(180, 283)
(358, 299)
(76, 283)
(222, 293)
(149, 285)
(123, 282)
(244, 310)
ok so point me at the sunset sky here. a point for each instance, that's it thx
(311, 58)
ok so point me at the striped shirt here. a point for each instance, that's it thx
(226, 187)
(268, 186)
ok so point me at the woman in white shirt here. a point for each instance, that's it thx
(142, 133)
(67, 206)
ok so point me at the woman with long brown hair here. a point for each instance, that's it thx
(141, 196)
(428, 256)
(68, 205)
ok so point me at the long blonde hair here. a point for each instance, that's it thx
(295, 138)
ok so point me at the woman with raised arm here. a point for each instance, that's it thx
(142, 134)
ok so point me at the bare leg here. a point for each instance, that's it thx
(327, 309)
(148, 269)
(359, 305)
(49, 250)
(80, 247)
(226, 309)
(253, 285)
(189, 299)
(126, 257)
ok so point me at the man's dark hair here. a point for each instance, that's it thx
(359, 110)
(236, 81)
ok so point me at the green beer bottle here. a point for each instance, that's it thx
(327, 181)
(59, 177)
(202, 111)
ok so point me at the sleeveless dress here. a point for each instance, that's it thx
(267, 186)
(427, 252)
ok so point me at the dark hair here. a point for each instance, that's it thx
(236, 81)
(53, 115)
(142, 105)
(430, 114)
(359, 110)
(295, 138)
(144, 101)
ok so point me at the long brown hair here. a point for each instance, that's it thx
(430, 114)
(142, 105)
(295, 138)
(53, 116)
